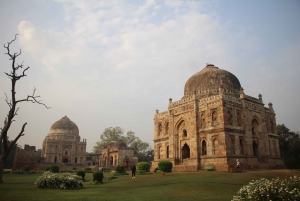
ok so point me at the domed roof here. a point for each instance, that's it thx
(64, 126)
(211, 78)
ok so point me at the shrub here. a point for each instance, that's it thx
(143, 167)
(120, 169)
(165, 166)
(98, 176)
(54, 168)
(25, 168)
(61, 181)
(88, 169)
(117, 174)
(274, 189)
(81, 173)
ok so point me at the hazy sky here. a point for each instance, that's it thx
(113, 63)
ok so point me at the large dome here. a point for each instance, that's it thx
(209, 79)
(64, 126)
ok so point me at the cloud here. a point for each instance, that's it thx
(115, 62)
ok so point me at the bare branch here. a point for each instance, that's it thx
(19, 66)
(23, 74)
(17, 138)
(33, 98)
(7, 47)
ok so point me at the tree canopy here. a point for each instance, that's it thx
(289, 143)
(141, 149)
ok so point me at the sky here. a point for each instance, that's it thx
(113, 63)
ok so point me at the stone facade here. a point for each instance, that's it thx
(214, 124)
(116, 153)
(63, 145)
(25, 157)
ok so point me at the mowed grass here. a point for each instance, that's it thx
(174, 186)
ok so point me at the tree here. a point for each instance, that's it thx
(108, 135)
(5, 145)
(289, 143)
(141, 149)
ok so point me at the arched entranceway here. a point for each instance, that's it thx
(255, 148)
(111, 161)
(185, 151)
(65, 160)
(126, 161)
(203, 147)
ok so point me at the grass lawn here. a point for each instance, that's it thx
(174, 186)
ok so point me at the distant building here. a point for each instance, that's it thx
(214, 124)
(63, 145)
(25, 157)
(116, 153)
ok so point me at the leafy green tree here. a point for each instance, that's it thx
(289, 143)
(108, 135)
(141, 148)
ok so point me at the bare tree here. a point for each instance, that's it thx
(7, 145)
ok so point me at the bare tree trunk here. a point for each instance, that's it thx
(5, 145)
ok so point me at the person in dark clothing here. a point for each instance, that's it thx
(133, 170)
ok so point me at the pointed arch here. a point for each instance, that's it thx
(185, 151)
(159, 129)
(179, 122)
(255, 126)
(204, 151)
(255, 147)
(167, 128)
(215, 146)
(241, 146)
(214, 117)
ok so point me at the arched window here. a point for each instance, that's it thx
(66, 153)
(184, 133)
(214, 117)
(241, 146)
(75, 160)
(111, 161)
(204, 147)
(185, 151)
(202, 121)
(255, 148)
(254, 125)
(55, 159)
(159, 129)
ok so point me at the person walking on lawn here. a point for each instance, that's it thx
(133, 170)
